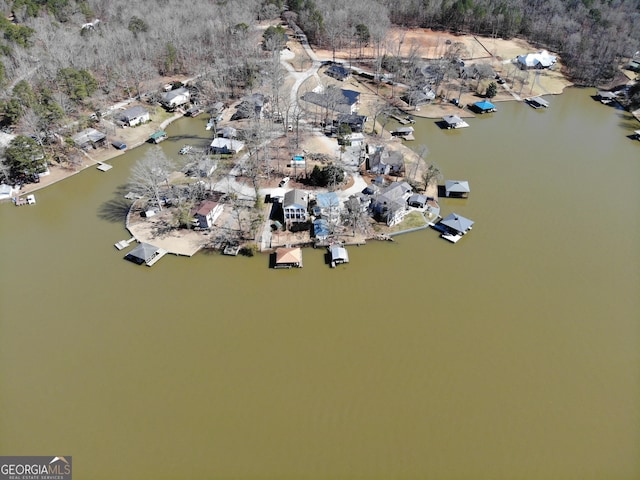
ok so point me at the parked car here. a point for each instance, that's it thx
(284, 181)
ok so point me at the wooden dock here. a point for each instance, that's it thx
(402, 120)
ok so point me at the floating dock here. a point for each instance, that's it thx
(122, 244)
(104, 167)
(28, 200)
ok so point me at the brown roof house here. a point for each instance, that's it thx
(207, 213)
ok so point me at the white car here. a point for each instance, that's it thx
(284, 181)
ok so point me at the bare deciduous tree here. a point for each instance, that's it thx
(150, 173)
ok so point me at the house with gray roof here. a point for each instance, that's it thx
(339, 101)
(175, 98)
(385, 162)
(295, 206)
(390, 205)
(134, 116)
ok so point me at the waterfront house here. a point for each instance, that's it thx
(385, 162)
(175, 98)
(328, 206)
(453, 121)
(541, 59)
(207, 213)
(225, 146)
(321, 229)
(338, 72)
(134, 116)
(457, 188)
(90, 138)
(295, 205)
(483, 107)
(288, 258)
(390, 205)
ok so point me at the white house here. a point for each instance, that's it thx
(176, 98)
(135, 116)
(207, 213)
(541, 59)
(225, 146)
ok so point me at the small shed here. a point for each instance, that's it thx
(90, 138)
(288, 258)
(457, 188)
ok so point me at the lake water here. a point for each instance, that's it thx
(512, 354)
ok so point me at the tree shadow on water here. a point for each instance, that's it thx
(114, 210)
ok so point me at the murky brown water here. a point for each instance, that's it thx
(513, 354)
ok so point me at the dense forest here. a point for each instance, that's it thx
(63, 58)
